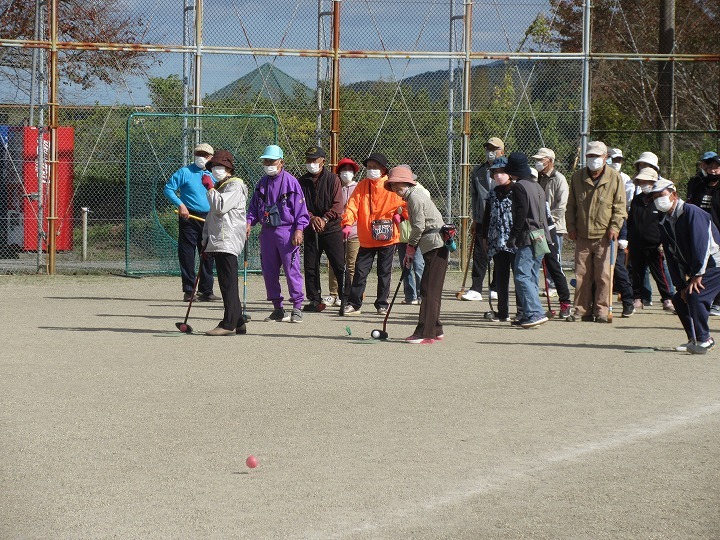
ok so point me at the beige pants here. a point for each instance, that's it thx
(592, 265)
(353, 245)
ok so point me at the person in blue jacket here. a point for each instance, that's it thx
(186, 191)
(692, 244)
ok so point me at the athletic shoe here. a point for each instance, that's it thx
(551, 293)
(352, 311)
(602, 319)
(220, 331)
(189, 296)
(296, 316)
(381, 310)
(648, 302)
(638, 304)
(411, 302)
(329, 300)
(208, 298)
(472, 296)
(707, 344)
(535, 321)
(628, 310)
(312, 306)
(440, 337)
(564, 309)
(278, 315)
(668, 306)
(506, 319)
(519, 322)
(715, 310)
(415, 340)
(493, 295)
(337, 302)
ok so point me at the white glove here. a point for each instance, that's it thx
(622, 244)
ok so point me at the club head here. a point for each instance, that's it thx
(696, 348)
(246, 317)
(573, 282)
(378, 334)
(185, 328)
(489, 315)
(459, 294)
(321, 307)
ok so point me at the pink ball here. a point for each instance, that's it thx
(251, 462)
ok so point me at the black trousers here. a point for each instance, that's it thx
(480, 263)
(502, 265)
(363, 264)
(227, 272)
(554, 270)
(431, 288)
(314, 246)
(640, 260)
(621, 279)
(190, 244)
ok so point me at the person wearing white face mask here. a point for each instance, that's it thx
(615, 160)
(278, 206)
(185, 190)
(323, 197)
(595, 213)
(346, 169)
(643, 232)
(691, 242)
(224, 237)
(480, 185)
(556, 190)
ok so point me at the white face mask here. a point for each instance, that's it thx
(664, 204)
(346, 177)
(615, 166)
(646, 188)
(219, 173)
(490, 155)
(200, 162)
(539, 166)
(595, 164)
(374, 173)
(313, 168)
(271, 170)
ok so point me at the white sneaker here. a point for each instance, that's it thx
(337, 302)
(683, 347)
(328, 300)
(349, 310)
(472, 296)
(708, 344)
(715, 310)
(493, 295)
(551, 293)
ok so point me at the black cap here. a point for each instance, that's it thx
(314, 152)
(517, 165)
(380, 158)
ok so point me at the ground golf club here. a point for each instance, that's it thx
(382, 334)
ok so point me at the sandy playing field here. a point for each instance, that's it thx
(115, 425)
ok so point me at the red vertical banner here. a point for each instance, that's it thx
(64, 227)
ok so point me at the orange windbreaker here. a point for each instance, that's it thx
(384, 204)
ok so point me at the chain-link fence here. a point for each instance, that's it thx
(417, 80)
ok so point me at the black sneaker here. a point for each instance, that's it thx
(210, 297)
(278, 315)
(189, 296)
(628, 310)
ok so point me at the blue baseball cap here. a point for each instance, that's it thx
(272, 151)
(499, 163)
(708, 156)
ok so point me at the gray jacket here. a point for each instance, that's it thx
(226, 223)
(425, 221)
(556, 193)
(480, 186)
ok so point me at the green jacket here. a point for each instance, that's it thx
(593, 209)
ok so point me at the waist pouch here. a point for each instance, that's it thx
(382, 229)
(539, 242)
(272, 215)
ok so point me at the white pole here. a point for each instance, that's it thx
(585, 127)
(85, 211)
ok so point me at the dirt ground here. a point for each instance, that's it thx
(115, 425)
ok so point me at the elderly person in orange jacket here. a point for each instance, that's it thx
(377, 213)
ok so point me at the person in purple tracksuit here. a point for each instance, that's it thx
(278, 205)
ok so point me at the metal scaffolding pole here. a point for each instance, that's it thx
(335, 95)
(451, 114)
(188, 11)
(465, 148)
(585, 122)
(52, 125)
(197, 92)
